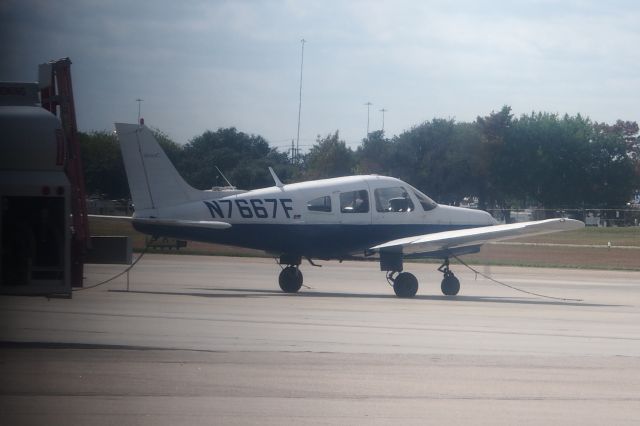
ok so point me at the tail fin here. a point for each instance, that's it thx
(154, 182)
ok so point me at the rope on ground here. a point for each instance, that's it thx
(512, 287)
(130, 267)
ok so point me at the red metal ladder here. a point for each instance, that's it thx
(56, 91)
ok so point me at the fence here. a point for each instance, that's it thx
(591, 217)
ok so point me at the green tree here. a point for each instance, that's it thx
(566, 162)
(489, 159)
(104, 173)
(544, 156)
(461, 182)
(422, 158)
(243, 158)
(612, 169)
(329, 157)
(171, 148)
(374, 155)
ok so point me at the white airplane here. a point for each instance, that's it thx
(322, 219)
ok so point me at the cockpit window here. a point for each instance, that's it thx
(395, 199)
(354, 202)
(320, 204)
(426, 202)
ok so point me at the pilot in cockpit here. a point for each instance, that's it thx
(401, 204)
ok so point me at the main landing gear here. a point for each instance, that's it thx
(290, 278)
(405, 284)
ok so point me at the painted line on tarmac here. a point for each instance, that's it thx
(504, 243)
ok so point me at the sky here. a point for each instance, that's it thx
(203, 65)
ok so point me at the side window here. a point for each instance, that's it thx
(320, 204)
(354, 202)
(426, 202)
(395, 199)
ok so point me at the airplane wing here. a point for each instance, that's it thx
(474, 237)
(208, 224)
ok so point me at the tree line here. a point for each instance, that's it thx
(539, 159)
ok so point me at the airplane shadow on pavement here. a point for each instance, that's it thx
(253, 293)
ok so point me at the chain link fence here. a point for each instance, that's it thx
(591, 217)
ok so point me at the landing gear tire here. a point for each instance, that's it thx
(290, 279)
(405, 285)
(450, 285)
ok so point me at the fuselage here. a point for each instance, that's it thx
(326, 219)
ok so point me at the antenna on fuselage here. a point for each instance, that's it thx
(278, 182)
(224, 177)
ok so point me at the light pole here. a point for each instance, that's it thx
(139, 101)
(368, 104)
(303, 41)
(383, 111)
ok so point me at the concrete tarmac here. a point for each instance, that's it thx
(212, 340)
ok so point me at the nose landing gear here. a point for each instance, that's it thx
(450, 285)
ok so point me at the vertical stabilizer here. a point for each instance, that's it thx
(153, 181)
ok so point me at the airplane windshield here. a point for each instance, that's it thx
(426, 202)
(393, 199)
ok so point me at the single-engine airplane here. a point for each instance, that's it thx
(328, 219)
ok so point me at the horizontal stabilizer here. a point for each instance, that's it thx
(206, 224)
(476, 236)
(120, 218)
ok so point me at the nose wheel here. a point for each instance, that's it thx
(450, 285)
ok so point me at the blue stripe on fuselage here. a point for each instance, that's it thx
(318, 240)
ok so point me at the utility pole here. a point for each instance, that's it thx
(368, 104)
(139, 101)
(383, 111)
(303, 41)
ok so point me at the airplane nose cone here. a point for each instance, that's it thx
(469, 217)
(490, 219)
(484, 218)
